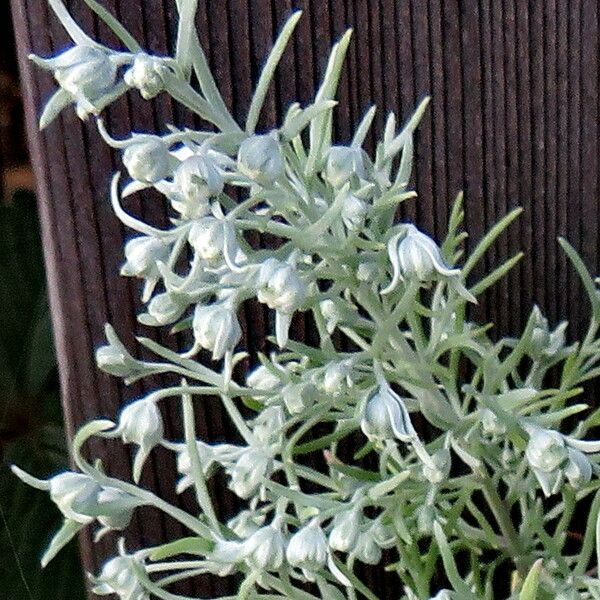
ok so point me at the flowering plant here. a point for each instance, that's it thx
(437, 447)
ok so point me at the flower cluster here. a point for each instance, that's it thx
(404, 438)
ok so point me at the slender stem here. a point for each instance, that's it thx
(502, 515)
(202, 493)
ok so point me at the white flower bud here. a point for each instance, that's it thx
(297, 397)
(118, 577)
(140, 423)
(437, 467)
(87, 73)
(579, 468)
(147, 159)
(415, 255)
(260, 159)
(113, 358)
(279, 286)
(343, 164)
(546, 453)
(81, 499)
(545, 343)
(216, 328)
(248, 472)
(68, 489)
(263, 379)
(164, 309)
(210, 456)
(141, 254)
(331, 314)
(214, 240)
(354, 212)
(265, 548)
(268, 425)
(490, 424)
(346, 529)
(336, 377)
(546, 450)
(146, 75)
(307, 548)
(385, 416)
(114, 508)
(199, 178)
(366, 549)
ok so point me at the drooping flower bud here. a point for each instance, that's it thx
(68, 489)
(337, 377)
(268, 425)
(297, 397)
(385, 416)
(260, 159)
(263, 379)
(113, 358)
(279, 286)
(81, 500)
(307, 548)
(437, 467)
(281, 289)
(346, 529)
(579, 468)
(490, 424)
(415, 255)
(248, 472)
(216, 328)
(86, 73)
(147, 159)
(118, 577)
(354, 212)
(163, 309)
(141, 254)
(214, 240)
(546, 454)
(545, 343)
(265, 548)
(140, 423)
(198, 178)
(343, 164)
(146, 75)
(369, 545)
(331, 314)
(210, 456)
(113, 509)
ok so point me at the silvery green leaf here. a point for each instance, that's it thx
(268, 71)
(185, 32)
(57, 102)
(363, 128)
(529, 591)
(61, 538)
(301, 119)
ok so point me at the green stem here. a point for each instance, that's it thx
(202, 493)
(502, 516)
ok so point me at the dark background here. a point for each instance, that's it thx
(513, 122)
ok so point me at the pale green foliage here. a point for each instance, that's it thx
(456, 507)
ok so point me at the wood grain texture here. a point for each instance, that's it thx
(513, 121)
